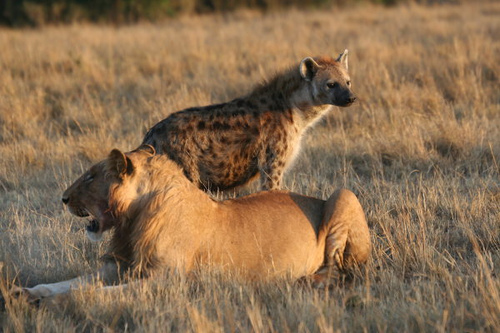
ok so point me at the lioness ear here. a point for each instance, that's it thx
(118, 164)
(308, 68)
(343, 59)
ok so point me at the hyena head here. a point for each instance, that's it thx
(329, 80)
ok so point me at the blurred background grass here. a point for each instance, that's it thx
(41, 12)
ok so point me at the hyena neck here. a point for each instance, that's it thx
(289, 91)
(305, 108)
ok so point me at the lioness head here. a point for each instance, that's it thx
(329, 79)
(88, 196)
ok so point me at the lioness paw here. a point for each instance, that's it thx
(19, 292)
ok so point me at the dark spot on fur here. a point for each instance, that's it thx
(270, 153)
(220, 126)
(237, 113)
(251, 105)
(217, 125)
(201, 125)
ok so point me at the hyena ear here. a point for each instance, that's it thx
(343, 59)
(308, 68)
(147, 149)
(118, 164)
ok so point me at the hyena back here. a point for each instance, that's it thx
(226, 145)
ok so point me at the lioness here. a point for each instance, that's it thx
(161, 220)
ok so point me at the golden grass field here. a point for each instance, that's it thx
(421, 149)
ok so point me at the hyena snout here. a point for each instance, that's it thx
(347, 98)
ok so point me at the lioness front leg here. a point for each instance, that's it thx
(108, 274)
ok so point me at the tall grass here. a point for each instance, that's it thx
(421, 149)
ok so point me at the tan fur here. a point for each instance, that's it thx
(223, 146)
(161, 220)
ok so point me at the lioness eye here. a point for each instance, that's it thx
(332, 85)
(349, 83)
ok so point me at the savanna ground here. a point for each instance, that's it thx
(421, 149)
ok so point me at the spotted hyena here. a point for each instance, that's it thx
(226, 145)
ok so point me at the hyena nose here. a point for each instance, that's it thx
(65, 200)
(352, 99)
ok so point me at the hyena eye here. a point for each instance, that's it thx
(332, 85)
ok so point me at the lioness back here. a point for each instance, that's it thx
(271, 233)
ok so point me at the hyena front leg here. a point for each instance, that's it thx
(348, 239)
(271, 170)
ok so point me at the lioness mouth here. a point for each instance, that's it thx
(93, 226)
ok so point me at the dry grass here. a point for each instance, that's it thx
(421, 149)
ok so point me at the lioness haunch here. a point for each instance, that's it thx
(161, 220)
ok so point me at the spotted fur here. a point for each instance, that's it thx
(226, 145)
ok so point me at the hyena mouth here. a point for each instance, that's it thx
(346, 103)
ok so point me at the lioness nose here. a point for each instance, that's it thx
(65, 200)
(352, 99)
